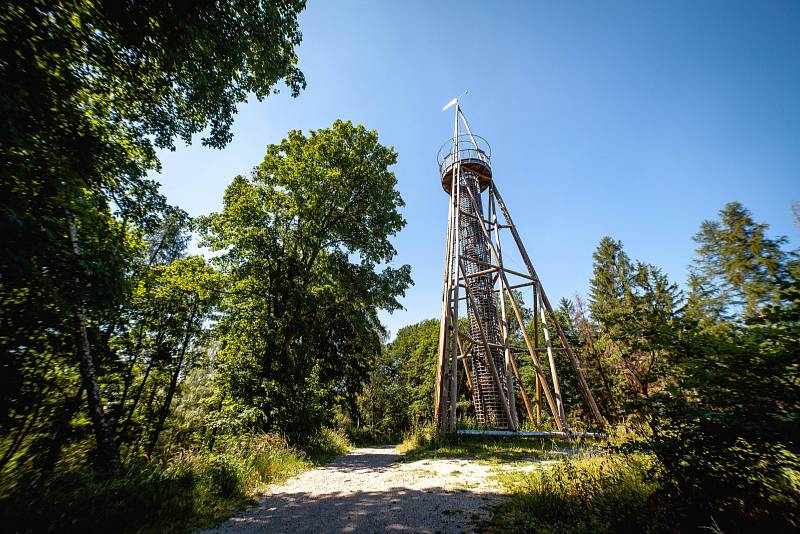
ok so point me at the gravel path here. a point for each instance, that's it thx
(370, 490)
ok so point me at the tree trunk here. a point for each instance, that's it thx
(108, 455)
(173, 385)
(126, 425)
(59, 431)
(25, 428)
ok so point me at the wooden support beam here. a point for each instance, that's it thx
(536, 347)
(473, 216)
(517, 286)
(500, 267)
(463, 358)
(584, 386)
(523, 393)
(539, 371)
(495, 376)
(441, 393)
(481, 273)
(454, 319)
(508, 358)
(464, 353)
(553, 373)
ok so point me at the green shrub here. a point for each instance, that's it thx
(226, 475)
(327, 444)
(723, 468)
(595, 494)
(421, 438)
(188, 490)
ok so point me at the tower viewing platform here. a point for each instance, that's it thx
(472, 152)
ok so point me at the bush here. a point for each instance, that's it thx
(595, 494)
(191, 489)
(720, 469)
(421, 438)
(226, 475)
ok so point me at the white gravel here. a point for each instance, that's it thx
(371, 490)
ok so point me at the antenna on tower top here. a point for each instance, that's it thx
(454, 101)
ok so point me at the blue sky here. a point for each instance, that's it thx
(636, 120)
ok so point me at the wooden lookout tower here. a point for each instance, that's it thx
(474, 275)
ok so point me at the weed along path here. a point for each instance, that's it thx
(372, 490)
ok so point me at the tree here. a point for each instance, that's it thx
(725, 431)
(299, 243)
(172, 306)
(636, 307)
(737, 268)
(89, 90)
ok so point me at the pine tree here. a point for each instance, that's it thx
(737, 269)
(635, 306)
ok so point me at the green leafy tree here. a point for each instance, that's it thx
(725, 431)
(413, 353)
(89, 90)
(300, 243)
(182, 296)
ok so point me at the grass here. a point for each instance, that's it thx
(588, 490)
(426, 442)
(597, 494)
(188, 491)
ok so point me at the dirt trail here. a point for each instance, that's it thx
(370, 490)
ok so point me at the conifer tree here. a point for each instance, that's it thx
(737, 268)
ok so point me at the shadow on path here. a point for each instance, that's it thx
(366, 491)
(392, 510)
(374, 459)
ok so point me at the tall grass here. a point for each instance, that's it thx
(189, 490)
(594, 494)
(427, 442)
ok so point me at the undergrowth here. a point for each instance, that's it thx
(597, 494)
(427, 442)
(189, 490)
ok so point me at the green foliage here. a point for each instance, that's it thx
(636, 309)
(728, 437)
(169, 310)
(726, 433)
(427, 442)
(594, 494)
(89, 90)
(711, 387)
(191, 489)
(738, 269)
(398, 393)
(300, 242)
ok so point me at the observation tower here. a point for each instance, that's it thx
(482, 353)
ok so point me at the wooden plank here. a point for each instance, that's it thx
(500, 267)
(536, 348)
(546, 435)
(481, 273)
(553, 373)
(510, 366)
(440, 389)
(464, 355)
(454, 319)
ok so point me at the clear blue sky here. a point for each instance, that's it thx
(636, 120)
